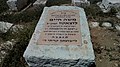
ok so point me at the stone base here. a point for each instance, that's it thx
(39, 62)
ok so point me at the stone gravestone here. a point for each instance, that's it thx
(61, 39)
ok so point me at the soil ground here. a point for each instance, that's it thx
(106, 46)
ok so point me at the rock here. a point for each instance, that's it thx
(118, 15)
(117, 27)
(12, 5)
(5, 26)
(107, 24)
(44, 50)
(106, 5)
(16, 5)
(94, 24)
(116, 64)
(40, 3)
(80, 3)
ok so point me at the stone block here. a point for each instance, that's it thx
(61, 39)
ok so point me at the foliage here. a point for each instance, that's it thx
(3, 8)
(57, 2)
(20, 17)
(15, 59)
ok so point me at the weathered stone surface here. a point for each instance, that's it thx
(12, 4)
(106, 5)
(5, 26)
(40, 2)
(80, 3)
(16, 5)
(94, 24)
(117, 27)
(52, 54)
(118, 15)
(106, 24)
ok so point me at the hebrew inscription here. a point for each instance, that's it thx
(62, 27)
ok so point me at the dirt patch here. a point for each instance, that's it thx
(106, 46)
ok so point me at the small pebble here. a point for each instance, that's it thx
(118, 15)
(3, 52)
(117, 27)
(107, 24)
(100, 60)
(94, 24)
(116, 64)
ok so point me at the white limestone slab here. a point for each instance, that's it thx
(59, 55)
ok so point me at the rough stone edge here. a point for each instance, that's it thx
(84, 35)
(39, 62)
(91, 57)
